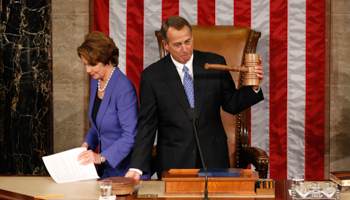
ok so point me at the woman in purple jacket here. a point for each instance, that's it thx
(113, 108)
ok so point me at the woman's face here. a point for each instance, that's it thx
(97, 71)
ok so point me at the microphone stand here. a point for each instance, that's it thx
(193, 118)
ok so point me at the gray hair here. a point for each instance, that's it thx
(174, 21)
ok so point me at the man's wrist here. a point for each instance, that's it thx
(136, 170)
(257, 90)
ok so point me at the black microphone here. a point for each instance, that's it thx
(192, 115)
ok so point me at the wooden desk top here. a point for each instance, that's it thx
(279, 195)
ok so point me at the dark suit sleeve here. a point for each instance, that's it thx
(147, 126)
(235, 101)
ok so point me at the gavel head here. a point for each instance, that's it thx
(251, 60)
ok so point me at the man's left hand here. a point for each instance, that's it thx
(259, 70)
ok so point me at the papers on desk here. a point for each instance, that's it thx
(64, 167)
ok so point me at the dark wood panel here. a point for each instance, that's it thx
(11, 195)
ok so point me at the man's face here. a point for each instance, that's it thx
(180, 44)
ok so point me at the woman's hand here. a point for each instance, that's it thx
(88, 157)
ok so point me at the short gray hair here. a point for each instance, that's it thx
(174, 21)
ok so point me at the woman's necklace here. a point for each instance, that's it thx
(99, 80)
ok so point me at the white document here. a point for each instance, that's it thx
(64, 166)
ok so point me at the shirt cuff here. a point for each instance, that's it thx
(136, 170)
(257, 91)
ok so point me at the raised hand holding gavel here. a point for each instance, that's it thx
(253, 68)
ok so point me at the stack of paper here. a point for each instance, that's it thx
(64, 166)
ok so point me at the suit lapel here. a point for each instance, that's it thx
(107, 96)
(200, 81)
(175, 85)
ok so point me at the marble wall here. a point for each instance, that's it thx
(70, 23)
(26, 86)
(339, 85)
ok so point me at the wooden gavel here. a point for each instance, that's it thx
(251, 60)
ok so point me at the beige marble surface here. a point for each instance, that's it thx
(44, 186)
(70, 22)
(339, 132)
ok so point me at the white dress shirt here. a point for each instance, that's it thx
(180, 66)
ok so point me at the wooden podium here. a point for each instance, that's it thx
(186, 181)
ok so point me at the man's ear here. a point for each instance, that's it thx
(166, 46)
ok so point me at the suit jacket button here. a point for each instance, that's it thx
(194, 151)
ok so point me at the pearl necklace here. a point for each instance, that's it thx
(99, 80)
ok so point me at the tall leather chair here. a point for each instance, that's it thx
(232, 42)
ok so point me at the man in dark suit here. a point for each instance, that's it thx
(164, 104)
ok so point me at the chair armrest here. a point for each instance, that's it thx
(257, 157)
(257, 154)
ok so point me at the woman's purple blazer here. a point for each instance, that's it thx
(116, 123)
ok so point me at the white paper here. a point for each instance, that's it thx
(64, 166)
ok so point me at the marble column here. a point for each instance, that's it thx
(25, 86)
(339, 85)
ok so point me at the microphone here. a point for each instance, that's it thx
(192, 116)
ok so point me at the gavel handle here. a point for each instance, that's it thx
(225, 67)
